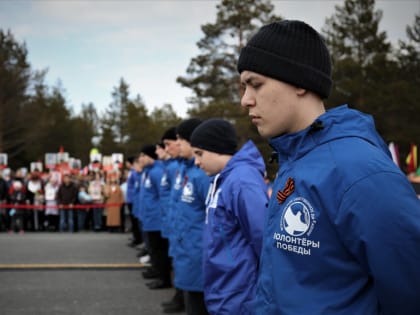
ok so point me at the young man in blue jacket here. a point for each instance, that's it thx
(189, 214)
(174, 179)
(236, 206)
(131, 190)
(343, 228)
(150, 215)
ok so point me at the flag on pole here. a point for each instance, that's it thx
(411, 159)
(393, 148)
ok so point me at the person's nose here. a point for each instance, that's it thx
(248, 99)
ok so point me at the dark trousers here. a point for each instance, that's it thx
(122, 217)
(194, 303)
(17, 220)
(4, 219)
(135, 227)
(52, 222)
(158, 249)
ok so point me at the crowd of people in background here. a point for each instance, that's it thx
(62, 202)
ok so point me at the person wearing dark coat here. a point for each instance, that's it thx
(66, 198)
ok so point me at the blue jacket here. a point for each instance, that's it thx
(166, 185)
(136, 194)
(149, 197)
(343, 230)
(176, 192)
(189, 223)
(233, 233)
(131, 186)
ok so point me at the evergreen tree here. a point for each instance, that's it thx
(58, 122)
(90, 115)
(123, 122)
(408, 55)
(107, 144)
(37, 130)
(159, 120)
(85, 127)
(15, 75)
(212, 75)
(164, 117)
(357, 48)
(366, 74)
(116, 114)
(139, 125)
(48, 124)
(405, 91)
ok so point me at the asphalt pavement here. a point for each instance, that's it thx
(74, 273)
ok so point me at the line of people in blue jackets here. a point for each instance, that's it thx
(198, 204)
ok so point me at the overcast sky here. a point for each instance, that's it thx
(90, 45)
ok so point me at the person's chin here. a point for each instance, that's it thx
(208, 173)
(264, 132)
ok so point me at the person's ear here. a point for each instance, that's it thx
(300, 92)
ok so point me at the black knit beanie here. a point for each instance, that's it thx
(292, 52)
(169, 134)
(186, 128)
(215, 135)
(149, 149)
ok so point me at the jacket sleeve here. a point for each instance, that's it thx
(75, 193)
(155, 177)
(59, 196)
(131, 183)
(250, 204)
(203, 183)
(379, 222)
